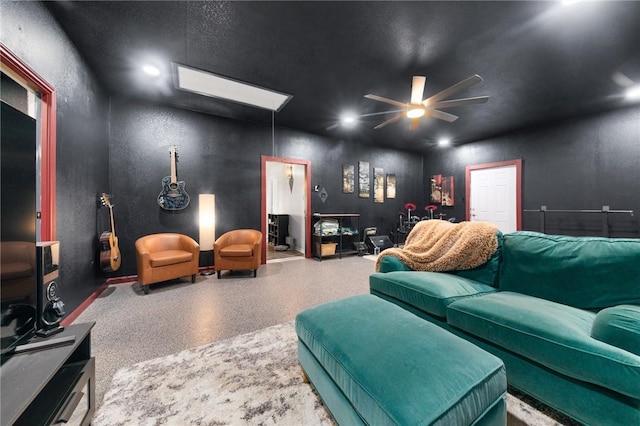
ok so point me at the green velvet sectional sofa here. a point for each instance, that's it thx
(563, 313)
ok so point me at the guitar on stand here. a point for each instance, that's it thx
(173, 195)
(109, 251)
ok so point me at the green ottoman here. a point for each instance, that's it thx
(373, 363)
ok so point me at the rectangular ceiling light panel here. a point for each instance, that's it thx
(208, 84)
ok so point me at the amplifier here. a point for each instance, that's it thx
(379, 242)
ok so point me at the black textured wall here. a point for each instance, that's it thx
(30, 32)
(583, 163)
(223, 156)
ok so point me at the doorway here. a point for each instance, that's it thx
(494, 194)
(45, 114)
(286, 188)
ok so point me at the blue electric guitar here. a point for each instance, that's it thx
(173, 195)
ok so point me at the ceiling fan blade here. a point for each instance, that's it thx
(441, 115)
(389, 121)
(386, 100)
(460, 102)
(371, 114)
(453, 89)
(417, 89)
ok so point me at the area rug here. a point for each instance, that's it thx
(252, 379)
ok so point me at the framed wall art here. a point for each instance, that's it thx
(363, 179)
(436, 188)
(378, 185)
(447, 191)
(348, 178)
(391, 186)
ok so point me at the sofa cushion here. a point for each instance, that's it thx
(430, 292)
(619, 326)
(392, 263)
(554, 335)
(169, 257)
(397, 369)
(585, 272)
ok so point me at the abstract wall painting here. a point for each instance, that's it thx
(391, 185)
(363, 179)
(436, 188)
(447, 191)
(348, 178)
(378, 185)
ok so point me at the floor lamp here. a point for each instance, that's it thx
(207, 210)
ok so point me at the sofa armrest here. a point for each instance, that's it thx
(391, 264)
(619, 326)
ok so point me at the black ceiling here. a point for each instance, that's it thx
(541, 61)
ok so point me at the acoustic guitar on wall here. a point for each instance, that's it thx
(109, 251)
(173, 196)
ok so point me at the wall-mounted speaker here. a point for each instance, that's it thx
(50, 306)
(379, 242)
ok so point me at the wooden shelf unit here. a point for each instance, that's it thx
(278, 229)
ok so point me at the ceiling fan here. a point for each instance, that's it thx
(431, 106)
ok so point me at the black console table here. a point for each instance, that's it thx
(341, 242)
(51, 384)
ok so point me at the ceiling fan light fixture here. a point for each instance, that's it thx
(415, 112)
(633, 93)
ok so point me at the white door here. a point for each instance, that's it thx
(493, 196)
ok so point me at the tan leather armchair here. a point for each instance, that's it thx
(239, 249)
(17, 268)
(162, 257)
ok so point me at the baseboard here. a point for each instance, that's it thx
(69, 319)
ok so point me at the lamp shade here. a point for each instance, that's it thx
(207, 210)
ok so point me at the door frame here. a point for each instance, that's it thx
(264, 159)
(47, 142)
(518, 164)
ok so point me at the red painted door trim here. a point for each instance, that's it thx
(48, 142)
(263, 200)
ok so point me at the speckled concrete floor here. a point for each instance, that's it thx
(133, 327)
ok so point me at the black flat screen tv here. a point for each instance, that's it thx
(18, 271)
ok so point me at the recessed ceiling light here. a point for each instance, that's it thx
(209, 84)
(633, 93)
(151, 70)
(348, 120)
(444, 142)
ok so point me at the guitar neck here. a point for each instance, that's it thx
(113, 226)
(174, 177)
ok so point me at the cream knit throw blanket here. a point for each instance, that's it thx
(438, 245)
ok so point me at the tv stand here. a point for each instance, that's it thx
(51, 381)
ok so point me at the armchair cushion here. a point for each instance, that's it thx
(237, 250)
(169, 257)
